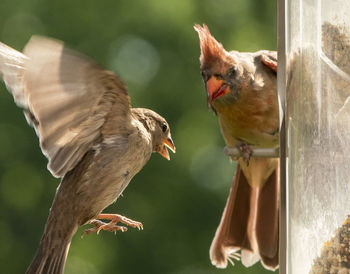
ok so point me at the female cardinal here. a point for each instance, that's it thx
(91, 136)
(241, 90)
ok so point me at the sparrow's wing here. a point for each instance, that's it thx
(66, 97)
(12, 70)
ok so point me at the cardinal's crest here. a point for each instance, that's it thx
(212, 52)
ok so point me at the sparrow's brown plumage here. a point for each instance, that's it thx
(241, 89)
(91, 136)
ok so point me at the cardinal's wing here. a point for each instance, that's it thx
(269, 59)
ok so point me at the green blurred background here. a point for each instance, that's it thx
(153, 46)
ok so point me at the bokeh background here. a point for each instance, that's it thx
(153, 47)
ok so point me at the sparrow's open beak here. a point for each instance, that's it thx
(167, 143)
(216, 88)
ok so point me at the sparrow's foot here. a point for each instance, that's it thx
(246, 152)
(99, 225)
(111, 226)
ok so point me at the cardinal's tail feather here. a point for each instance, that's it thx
(267, 229)
(249, 223)
(230, 238)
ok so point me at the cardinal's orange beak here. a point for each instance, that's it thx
(216, 88)
(167, 143)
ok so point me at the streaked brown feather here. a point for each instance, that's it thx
(12, 69)
(70, 100)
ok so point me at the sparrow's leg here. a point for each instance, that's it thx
(99, 225)
(111, 226)
(246, 152)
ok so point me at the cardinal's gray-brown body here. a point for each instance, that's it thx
(89, 133)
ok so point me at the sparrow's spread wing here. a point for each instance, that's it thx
(11, 70)
(69, 99)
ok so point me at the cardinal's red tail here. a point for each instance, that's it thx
(250, 223)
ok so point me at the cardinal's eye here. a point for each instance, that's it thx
(204, 76)
(232, 71)
(164, 128)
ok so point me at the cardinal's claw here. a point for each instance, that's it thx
(246, 152)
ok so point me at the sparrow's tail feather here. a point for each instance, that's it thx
(249, 223)
(54, 244)
(52, 263)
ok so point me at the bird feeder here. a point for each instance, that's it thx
(314, 79)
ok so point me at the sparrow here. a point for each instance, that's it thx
(93, 140)
(241, 90)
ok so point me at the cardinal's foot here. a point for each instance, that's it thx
(246, 152)
(111, 226)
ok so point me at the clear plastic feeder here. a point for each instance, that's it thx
(317, 126)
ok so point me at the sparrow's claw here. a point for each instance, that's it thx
(111, 226)
(246, 152)
(129, 222)
(99, 225)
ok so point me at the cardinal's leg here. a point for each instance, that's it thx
(111, 226)
(246, 152)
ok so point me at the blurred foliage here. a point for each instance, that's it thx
(153, 46)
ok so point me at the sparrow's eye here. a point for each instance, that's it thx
(164, 128)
